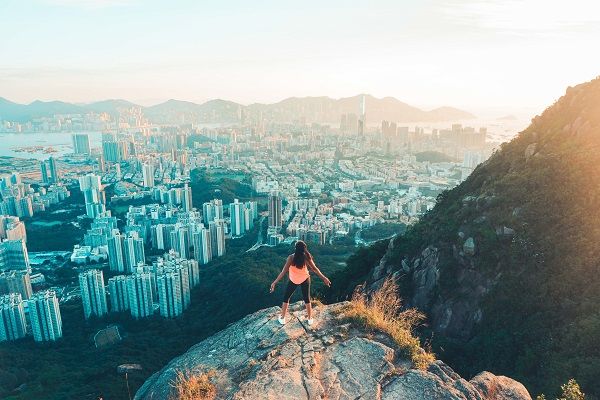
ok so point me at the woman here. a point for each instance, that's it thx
(297, 265)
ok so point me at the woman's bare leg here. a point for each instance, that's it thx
(284, 308)
(308, 310)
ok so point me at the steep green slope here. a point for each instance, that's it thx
(507, 265)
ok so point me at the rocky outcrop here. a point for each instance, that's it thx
(256, 358)
(453, 313)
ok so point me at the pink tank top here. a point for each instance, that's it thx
(298, 275)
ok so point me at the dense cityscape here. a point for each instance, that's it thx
(321, 183)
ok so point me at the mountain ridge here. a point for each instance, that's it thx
(320, 109)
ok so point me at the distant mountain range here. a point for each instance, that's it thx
(310, 109)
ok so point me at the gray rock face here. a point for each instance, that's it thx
(256, 358)
(453, 315)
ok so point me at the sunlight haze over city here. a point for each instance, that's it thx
(469, 54)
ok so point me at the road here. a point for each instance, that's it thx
(259, 238)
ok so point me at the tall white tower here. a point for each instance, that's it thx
(362, 120)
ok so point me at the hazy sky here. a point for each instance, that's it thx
(470, 54)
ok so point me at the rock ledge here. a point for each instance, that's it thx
(256, 358)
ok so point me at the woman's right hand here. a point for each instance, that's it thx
(272, 287)
(327, 282)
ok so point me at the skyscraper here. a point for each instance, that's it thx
(81, 143)
(12, 228)
(174, 297)
(44, 312)
(238, 220)
(13, 255)
(12, 317)
(113, 149)
(193, 272)
(169, 294)
(186, 198)
(54, 173)
(116, 254)
(24, 207)
(93, 294)
(212, 210)
(148, 174)
(44, 172)
(139, 289)
(181, 240)
(362, 119)
(119, 297)
(93, 193)
(16, 282)
(201, 240)
(217, 237)
(275, 210)
(125, 251)
(133, 251)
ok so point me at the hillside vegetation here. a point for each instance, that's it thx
(231, 287)
(507, 265)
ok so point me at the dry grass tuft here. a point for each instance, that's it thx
(191, 386)
(382, 311)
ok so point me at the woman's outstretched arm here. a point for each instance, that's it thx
(284, 270)
(313, 267)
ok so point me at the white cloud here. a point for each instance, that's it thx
(526, 17)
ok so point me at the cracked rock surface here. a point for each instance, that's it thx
(257, 358)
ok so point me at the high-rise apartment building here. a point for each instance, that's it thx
(93, 293)
(44, 173)
(116, 253)
(140, 291)
(125, 251)
(81, 143)
(134, 251)
(181, 240)
(119, 297)
(148, 174)
(237, 217)
(201, 240)
(186, 198)
(12, 317)
(169, 294)
(212, 210)
(168, 289)
(44, 313)
(217, 237)
(93, 193)
(12, 228)
(275, 210)
(16, 282)
(53, 169)
(113, 149)
(14, 255)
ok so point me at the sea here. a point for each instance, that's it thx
(41, 145)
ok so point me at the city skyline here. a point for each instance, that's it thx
(466, 54)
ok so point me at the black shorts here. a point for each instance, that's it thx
(291, 288)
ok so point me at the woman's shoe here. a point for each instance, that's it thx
(310, 321)
(281, 320)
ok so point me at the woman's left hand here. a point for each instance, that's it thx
(327, 282)
(272, 287)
